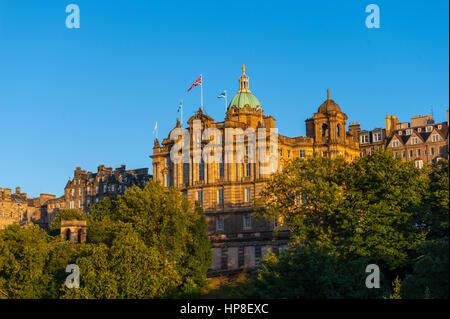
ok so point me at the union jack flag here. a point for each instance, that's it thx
(198, 82)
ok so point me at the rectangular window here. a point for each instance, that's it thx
(168, 179)
(247, 195)
(201, 170)
(418, 153)
(247, 222)
(248, 169)
(222, 168)
(200, 197)
(219, 223)
(432, 151)
(364, 139)
(220, 196)
(404, 154)
(302, 153)
(186, 173)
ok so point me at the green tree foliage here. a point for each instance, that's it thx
(397, 289)
(433, 217)
(155, 228)
(377, 209)
(309, 272)
(361, 209)
(149, 243)
(430, 275)
(23, 256)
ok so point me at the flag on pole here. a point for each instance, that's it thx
(222, 95)
(180, 110)
(198, 82)
(155, 130)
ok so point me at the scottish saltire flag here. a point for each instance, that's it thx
(180, 106)
(222, 95)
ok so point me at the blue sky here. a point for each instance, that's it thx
(91, 96)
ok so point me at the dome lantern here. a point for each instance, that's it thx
(244, 96)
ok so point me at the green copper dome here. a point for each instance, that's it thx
(242, 99)
(244, 96)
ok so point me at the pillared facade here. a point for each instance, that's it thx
(228, 189)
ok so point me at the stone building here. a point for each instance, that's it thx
(18, 208)
(422, 140)
(372, 141)
(84, 189)
(228, 189)
(13, 207)
(87, 188)
(74, 230)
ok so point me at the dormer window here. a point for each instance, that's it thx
(408, 132)
(399, 132)
(439, 127)
(364, 139)
(428, 128)
(419, 129)
(377, 137)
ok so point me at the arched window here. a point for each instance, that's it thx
(324, 130)
(79, 235)
(338, 130)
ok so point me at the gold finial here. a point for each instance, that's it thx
(328, 94)
(243, 68)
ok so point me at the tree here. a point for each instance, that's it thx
(430, 275)
(170, 240)
(309, 272)
(23, 258)
(362, 209)
(433, 218)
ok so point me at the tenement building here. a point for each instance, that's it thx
(83, 190)
(422, 140)
(87, 188)
(229, 186)
(18, 208)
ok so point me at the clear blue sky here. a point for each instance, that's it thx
(90, 96)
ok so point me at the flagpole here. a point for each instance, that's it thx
(201, 96)
(181, 112)
(226, 104)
